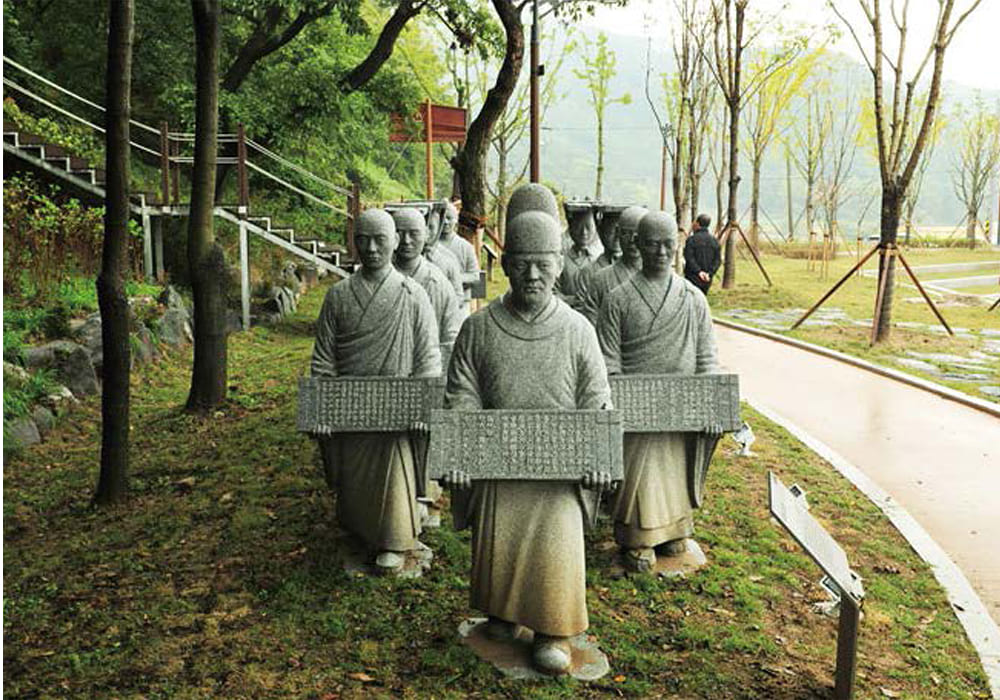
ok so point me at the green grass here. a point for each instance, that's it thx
(797, 287)
(220, 577)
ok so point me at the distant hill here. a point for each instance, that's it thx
(633, 146)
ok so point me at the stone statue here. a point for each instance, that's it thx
(528, 350)
(463, 251)
(585, 249)
(621, 270)
(607, 231)
(411, 227)
(376, 323)
(445, 260)
(531, 197)
(657, 323)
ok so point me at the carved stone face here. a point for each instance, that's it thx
(450, 220)
(628, 226)
(412, 231)
(657, 242)
(532, 277)
(608, 231)
(582, 228)
(375, 239)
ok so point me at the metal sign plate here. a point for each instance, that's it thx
(655, 403)
(529, 445)
(366, 404)
(811, 536)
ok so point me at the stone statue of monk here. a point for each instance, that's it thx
(607, 231)
(657, 323)
(528, 350)
(463, 251)
(584, 251)
(376, 323)
(446, 261)
(621, 270)
(411, 227)
(531, 197)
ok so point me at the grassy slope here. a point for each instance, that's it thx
(798, 288)
(220, 577)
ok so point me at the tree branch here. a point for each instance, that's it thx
(380, 53)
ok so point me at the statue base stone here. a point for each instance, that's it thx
(357, 560)
(686, 562)
(513, 657)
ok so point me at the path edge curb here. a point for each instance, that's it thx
(926, 385)
(972, 614)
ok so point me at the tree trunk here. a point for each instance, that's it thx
(892, 201)
(600, 157)
(470, 161)
(755, 204)
(502, 188)
(112, 486)
(970, 226)
(732, 215)
(205, 258)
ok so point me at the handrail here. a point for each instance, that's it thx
(10, 83)
(297, 190)
(297, 168)
(70, 93)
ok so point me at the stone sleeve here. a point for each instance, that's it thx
(706, 353)
(592, 389)
(426, 350)
(462, 392)
(324, 357)
(609, 333)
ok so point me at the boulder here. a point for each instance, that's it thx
(174, 327)
(172, 299)
(22, 432)
(59, 400)
(70, 363)
(44, 420)
(309, 275)
(234, 321)
(88, 334)
(144, 347)
(14, 373)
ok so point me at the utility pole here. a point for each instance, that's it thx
(535, 70)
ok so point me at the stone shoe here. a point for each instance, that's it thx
(640, 560)
(499, 630)
(423, 553)
(390, 562)
(672, 548)
(552, 655)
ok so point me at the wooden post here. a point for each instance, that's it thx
(177, 174)
(756, 258)
(429, 136)
(847, 646)
(164, 163)
(161, 221)
(923, 293)
(147, 241)
(840, 283)
(241, 170)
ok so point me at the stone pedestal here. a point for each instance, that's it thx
(356, 559)
(680, 564)
(513, 657)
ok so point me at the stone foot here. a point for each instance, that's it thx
(390, 563)
(639, 560)
(552, 655)
(672, 548)
(679, 557)
(499, 630)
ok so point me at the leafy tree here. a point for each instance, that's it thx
(599, 67)
(978, 160)
(112, 487)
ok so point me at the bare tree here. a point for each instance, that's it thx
(205, 257)
(898, 156)
(977, 163)
(837, 160)
(112, 486)
(809, 141)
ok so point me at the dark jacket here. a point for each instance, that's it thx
(701, 253)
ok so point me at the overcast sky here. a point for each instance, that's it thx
(973, 58)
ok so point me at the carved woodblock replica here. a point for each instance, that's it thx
(657, 403)
(526, 445)
(656, 323)
(376, 323)
(529, 351)
(330, 405)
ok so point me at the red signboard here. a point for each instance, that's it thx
(447, 125)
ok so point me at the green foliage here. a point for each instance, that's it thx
(48, 238)
(75, 138)
(20, 395)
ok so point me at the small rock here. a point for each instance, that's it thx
(144, 350)
(22, 432)
(69, 361)
(14, 373)
(174, 327)
(990, 390)
(172, 299)
(918, 365)
(44, 420)
(59, 399)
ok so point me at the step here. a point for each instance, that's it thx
(76, 163)
(27, 139)
(85, 174)
(10, 137)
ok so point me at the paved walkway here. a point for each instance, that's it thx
(939, 459)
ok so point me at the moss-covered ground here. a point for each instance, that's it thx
(220, 577)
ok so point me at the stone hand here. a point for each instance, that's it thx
(419, 429)
(715, 430)
(456, 480)
(596, 480)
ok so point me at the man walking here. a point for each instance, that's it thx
(702, 255)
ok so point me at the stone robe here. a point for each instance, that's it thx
(386, 330)
(452, 269)
(465, 253)
(600, 284)
(528, 559)
(657, 328)
(575, 261)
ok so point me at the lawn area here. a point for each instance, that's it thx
(916, 331)
(220, 578)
